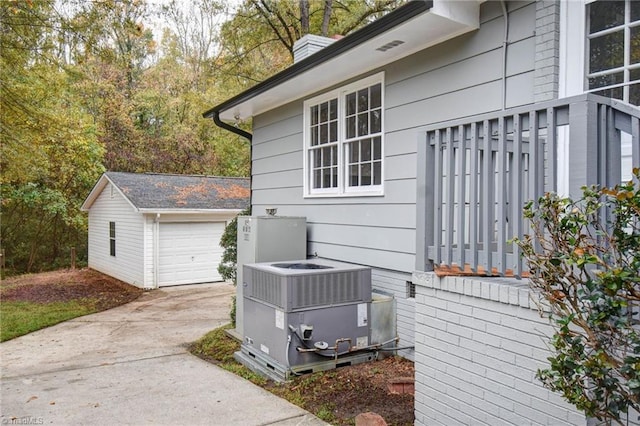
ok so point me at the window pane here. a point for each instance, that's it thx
(363, 124)
(606, 80)
(317, 158)
(351, 103)
(351, 127)
(333, 109)
(376, 122)
(316, 178)
(606, 52)
(324, 112)
(363, 100)
(353, 174)
(376, 96)
(326, 178)
(634, 94)
(314, 114)
(326, 157)
(605, 14)
(334, 155)
(634, 74)
(366, 150)
(354, 152)
(377, 148)
(324, 133)
(314, 135)
(112, 229)
(365, 178)
(635, 45)
(334, 177)
(377, 173)
(635, 11)
(616, 93)
(333, 131)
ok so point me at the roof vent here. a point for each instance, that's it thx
(390, 45)
(308, 45)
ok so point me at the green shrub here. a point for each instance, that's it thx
(586, 269)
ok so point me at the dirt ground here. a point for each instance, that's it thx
(66, 285)
(349, 391)
(337, 395)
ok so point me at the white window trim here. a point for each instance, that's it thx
(343, 190)
(573, 50)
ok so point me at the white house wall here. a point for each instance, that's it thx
(127, 264)
(460, 77)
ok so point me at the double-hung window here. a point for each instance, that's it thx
(344, 140)
(613, 53)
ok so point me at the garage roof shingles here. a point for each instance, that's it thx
(166, 191)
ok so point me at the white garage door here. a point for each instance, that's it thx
(189, 252)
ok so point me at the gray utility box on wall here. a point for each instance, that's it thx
(300, 315)
(266, 239)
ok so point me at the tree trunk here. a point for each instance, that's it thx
(326, 17)
(304, 17)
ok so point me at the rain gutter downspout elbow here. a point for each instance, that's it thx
(230, 128)
(244, 134)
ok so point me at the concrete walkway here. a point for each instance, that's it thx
(129, 365)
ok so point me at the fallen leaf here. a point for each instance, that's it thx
(32, 398)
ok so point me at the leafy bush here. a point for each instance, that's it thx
(584, 259)
(228, 265)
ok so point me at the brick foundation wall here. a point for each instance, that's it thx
(479, 343)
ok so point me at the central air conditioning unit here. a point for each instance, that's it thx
(305, 316)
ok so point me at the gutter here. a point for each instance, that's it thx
(388, 21)
(215, 114)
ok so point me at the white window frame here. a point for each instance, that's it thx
(574, 59)
(342, 189)
(112, 239)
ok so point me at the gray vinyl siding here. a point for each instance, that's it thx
(127, 265)
(460, 77)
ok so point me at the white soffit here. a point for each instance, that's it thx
(446, 20)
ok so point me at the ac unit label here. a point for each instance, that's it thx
(280, 319)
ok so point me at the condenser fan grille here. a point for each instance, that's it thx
(267, 287)
(325, 289)
(297, 292)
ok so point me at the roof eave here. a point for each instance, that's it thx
(345, 44)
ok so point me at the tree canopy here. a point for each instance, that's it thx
(121, 85)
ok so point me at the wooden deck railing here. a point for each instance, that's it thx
(476, 174)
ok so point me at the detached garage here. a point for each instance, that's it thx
(155, 230)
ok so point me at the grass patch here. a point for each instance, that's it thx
(218, 348)
(19, 318)
(34, 301)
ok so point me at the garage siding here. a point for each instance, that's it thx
(127, 264)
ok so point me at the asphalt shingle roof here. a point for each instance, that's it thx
(165, 191)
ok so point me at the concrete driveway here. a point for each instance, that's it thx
(129, 365)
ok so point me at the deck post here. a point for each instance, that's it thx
(583, 145)
(424, 200)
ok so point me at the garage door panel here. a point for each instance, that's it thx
(189, 252)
